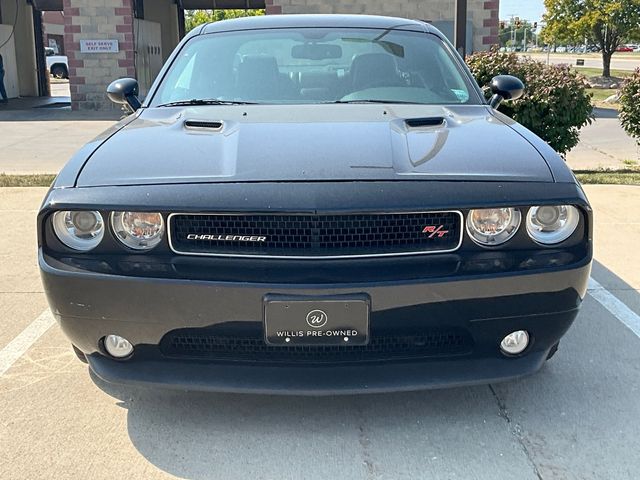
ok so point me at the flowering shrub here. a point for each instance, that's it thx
(555, 105)
(630, 105)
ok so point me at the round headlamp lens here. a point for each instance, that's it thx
(552, 224)
(138, 230)
(493, 226)
(80, 230)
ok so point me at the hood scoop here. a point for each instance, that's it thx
(203, 125)
(424, 122)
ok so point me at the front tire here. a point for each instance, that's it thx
(553, 351)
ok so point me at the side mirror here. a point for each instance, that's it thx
(124, 91)
(505, 87)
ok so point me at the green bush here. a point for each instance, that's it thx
(630, 105)
(556, 104)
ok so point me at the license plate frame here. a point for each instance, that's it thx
(316, 321)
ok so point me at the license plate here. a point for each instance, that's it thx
(331, 321)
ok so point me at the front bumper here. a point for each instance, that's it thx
(91, 305)
(319, 380)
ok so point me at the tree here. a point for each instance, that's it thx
(606, 22)
(630, 105)
(193, 18)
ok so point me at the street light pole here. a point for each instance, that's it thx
(460, 28)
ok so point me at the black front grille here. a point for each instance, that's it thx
(200, 344)
(316, 235)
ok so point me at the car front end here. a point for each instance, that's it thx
(198, 321)
(316, 247)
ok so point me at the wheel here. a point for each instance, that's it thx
(59, 71)
(553, 351)
(80, 354)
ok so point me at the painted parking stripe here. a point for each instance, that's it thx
(19, 345)
(615, 306)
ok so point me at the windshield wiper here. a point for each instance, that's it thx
(205, 101)
(376, 101)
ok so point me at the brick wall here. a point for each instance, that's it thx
(91, 73)
(487, 35)
(482, 13)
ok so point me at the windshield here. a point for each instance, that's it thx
(315, 65)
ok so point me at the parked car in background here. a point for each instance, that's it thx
(624, 48)
(58, 65)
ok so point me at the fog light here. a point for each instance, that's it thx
(515, 343)
(117, 346)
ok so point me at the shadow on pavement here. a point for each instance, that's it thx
(605, 113)
(577, 418)
(223, 436)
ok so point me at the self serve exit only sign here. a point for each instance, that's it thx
(99, 46)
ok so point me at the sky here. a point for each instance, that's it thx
(531, 10)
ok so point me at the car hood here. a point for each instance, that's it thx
(259, 143)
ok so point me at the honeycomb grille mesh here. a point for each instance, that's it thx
(200, 344)
(316, 235)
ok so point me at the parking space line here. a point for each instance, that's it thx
(615, 306)
(19, 345)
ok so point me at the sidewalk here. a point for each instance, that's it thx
(604, 144)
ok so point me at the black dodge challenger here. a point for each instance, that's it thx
(315, 205)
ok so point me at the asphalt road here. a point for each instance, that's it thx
(578, 418)
(619, 61)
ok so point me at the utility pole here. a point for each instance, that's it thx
(512, 31)
(460, 28)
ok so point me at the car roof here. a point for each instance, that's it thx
(310, 21)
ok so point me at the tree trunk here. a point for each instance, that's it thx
(606, 64)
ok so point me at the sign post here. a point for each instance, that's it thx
(460, 28)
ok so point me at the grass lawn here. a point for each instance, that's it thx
(599, 95)
(609, 177)
(630, 176)
(596, 72)
(43, 180)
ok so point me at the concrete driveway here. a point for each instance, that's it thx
(41, 140)
(578, 418)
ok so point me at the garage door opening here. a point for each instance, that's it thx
(31, 42)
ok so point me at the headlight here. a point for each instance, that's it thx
(80, 230)
(493, 226)
(138, 230)
(552, 224)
